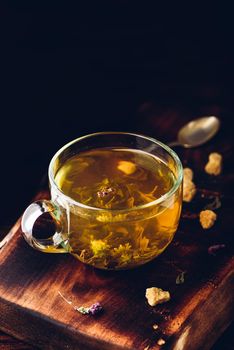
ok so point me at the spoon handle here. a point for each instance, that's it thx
(174, 143)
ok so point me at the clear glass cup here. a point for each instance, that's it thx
(138, 234)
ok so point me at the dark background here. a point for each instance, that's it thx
(112, 65)
(70, 71)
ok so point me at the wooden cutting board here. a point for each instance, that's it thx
(200, 309)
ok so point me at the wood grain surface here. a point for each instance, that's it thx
(200, 309)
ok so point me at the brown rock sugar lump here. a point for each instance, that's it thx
(207, 218)
(214, 165)
(156, 296)
(189, 188)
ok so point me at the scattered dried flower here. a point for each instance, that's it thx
(161, 342)
(213, 249)
(180, 278)
(93, 310)
(155, 326)
(156, 296)
(214, 165)
(207, 218)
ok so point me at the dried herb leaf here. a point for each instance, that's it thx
(213, 249)
(180, 278)
(213, 205)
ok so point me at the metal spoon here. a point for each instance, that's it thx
(197, 132)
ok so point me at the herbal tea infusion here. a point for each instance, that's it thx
(118, 181)
(115, 200)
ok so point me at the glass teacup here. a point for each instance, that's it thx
(110, 237)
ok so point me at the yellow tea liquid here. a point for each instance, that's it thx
(116, 180)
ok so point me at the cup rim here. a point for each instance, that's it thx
(126, 210)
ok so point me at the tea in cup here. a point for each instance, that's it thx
(115, 199)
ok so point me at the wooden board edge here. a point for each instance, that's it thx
(33, 328)
(10, 235)
(191, 335)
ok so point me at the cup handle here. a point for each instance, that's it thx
(52, 244)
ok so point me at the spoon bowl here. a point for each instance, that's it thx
(197, 132)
